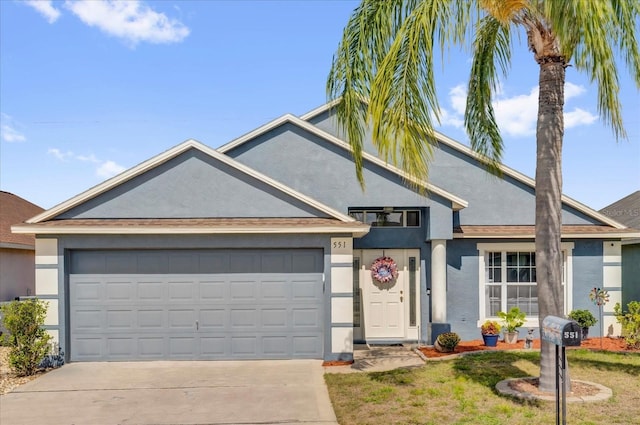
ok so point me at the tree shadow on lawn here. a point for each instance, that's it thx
(489, 368)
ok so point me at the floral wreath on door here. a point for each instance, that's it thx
(384, 270)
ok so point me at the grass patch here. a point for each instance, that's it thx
(462, 391)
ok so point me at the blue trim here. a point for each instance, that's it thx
(342, 325)
(46, 266)
(612, 263)
(51, 327)
(613, 288)
(342, 295)
(350, 265)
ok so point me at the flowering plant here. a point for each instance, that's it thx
(490, 327)
(384, 270)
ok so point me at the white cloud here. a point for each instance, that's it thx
(578, 117)
(132, 21)
(104, 169)
(62, 156)
(45, 8)
(8, 131)
(109, 169)
(516, 115)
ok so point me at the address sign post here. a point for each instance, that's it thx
(563, 333)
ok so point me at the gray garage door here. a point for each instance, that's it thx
(183, 305)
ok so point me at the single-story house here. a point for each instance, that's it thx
(627, 212)
(17, 251)
(264, 248)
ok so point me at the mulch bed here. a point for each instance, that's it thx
(607, 344)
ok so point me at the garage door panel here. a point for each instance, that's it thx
(119, 320)
(182, 319)
(150, 290)
(212, 290)
(274, 318)
(151, 347)
(151, 318)
(244, 346)
(243, 319)
(243, 290)
(212, 319)
(223, 315)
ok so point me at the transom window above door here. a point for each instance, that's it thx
(387, 217)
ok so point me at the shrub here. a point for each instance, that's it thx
(630, 322)
(512, 319)
(584, 318)
(28, 341)
(448, 340)
(490, 327)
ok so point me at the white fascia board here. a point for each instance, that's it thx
(319, 110)
(115, 181)
(457, 202)
(356, 231)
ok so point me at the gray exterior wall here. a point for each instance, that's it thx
(67, 244)
(192, 185)
(492, 200)
(325, 172)
(463, 280)
(17, 278)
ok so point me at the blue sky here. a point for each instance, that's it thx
(88, 89)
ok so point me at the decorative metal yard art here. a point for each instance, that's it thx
(562, 333)
(599, 297)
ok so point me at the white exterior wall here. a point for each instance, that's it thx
(342, 296)
(47, 283)
(612, 282)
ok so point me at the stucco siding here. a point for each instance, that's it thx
(325, 172)
(17, 276)
(462, 288)
(492, 200)
(192, 185)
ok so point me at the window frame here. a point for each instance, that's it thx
(506, 247)
(364, 212)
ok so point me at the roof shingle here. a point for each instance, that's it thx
(15, 210)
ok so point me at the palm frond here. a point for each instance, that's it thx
(491, 46)
(599, 31)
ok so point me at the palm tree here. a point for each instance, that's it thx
(383, 75)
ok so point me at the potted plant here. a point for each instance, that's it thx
(490, 332)
(584, 319)
(446, 342)
(512, 320)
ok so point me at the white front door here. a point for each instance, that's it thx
(387, 307)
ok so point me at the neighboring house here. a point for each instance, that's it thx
(627, 212)
(263, 249)
(17, 251)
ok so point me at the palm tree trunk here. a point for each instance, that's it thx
(549, 134)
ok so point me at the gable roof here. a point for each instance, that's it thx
(625, 210)
(457, 202)
(40, 222)
(508, 171)
(14, 210)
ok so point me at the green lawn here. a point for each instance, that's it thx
(462, 391)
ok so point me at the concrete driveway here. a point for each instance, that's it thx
(230, 392)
